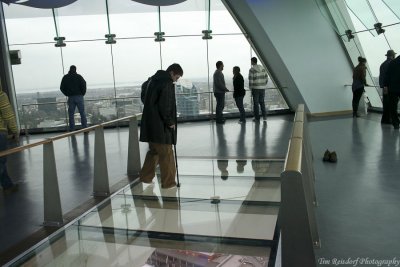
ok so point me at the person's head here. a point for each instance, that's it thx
(362, 60)
(236, 70)
(390, 54)
(219, 65)
(253, 61)
(176, 71)
(72, 69)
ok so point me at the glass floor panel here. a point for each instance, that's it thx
(260, 168)
(211, 220)
(80, 246)
(208, 187)
(193, 218)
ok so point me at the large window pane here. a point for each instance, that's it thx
(131, 19)
(192, 90)
(237, 53)
(134, 61)
(174, 18)
(83, 20)
(221, 21)
(28, 25)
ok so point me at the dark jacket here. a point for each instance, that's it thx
(73, 84)
(159, 111)
(359, 77)
(238, 86)
(392, 80)
(382, 72)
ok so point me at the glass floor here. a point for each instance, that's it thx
(224, 214)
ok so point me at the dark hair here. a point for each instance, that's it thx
(362, 60)
(72, 68)
(176, 69)
(254, 60)
(236, 69)
(219, 64)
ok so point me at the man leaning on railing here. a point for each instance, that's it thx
(7, 123)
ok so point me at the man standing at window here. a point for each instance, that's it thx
(258, 79)
(8, 124)
(390, 55)
(392, 85)
(158, 126)
(74, 87)
(219, 89)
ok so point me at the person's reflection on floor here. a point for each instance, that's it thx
(240, 165)
(260, 168)
(223, 167)
(82, 169)
(222, 148)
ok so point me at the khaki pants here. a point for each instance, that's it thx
(163, 155)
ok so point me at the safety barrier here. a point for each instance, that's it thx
(53, 215)
(299, 233)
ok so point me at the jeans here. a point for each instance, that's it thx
(73, 102)
(4, 178)
(356, 99)
(394, 100)
(239, 104)
(258, 100)
(220, 97)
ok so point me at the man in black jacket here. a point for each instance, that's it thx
(74, 87)
(158, 126)
(390, 55)
(392, 85)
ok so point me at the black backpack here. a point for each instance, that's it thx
(145, 86)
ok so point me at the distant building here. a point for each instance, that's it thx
(48, 108)
(187, 99)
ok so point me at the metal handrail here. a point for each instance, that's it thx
(53, 215)
(54, 138)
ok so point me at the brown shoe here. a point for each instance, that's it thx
(326, 155)
(333, 157)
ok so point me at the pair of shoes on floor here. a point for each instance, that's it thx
(11, 189)
(330, 156)
(356, 115)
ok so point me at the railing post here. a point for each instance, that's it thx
(100, 180)
(297, 247)
(309, 191)
(51, 192)
(133, 166)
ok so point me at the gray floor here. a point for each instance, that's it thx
(358, 196)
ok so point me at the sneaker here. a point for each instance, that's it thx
(333, 157)
(256, 120)
(326, 155)
(147, 183)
